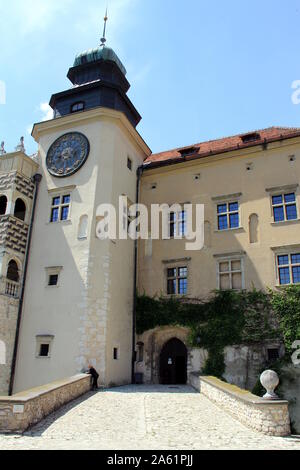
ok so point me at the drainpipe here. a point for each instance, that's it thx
(139, 175)
(37, 178)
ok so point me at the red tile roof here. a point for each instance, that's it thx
(214, 147)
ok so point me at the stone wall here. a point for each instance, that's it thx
(266, 416)
(25, 409)
(8, 321)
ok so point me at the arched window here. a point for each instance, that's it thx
(253, 228)
(13, 271)
(3, 205)
(20, 209)
(77, 107)
(83, 227)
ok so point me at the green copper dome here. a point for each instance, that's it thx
(104, 53)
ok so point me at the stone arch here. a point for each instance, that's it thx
(253, 228)
(83, 227)
(3, 205)
(20, 209)
(13, 273)
(173, 363)
(155, 343)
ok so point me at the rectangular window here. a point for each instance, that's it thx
(44, 346)
(60, 208)
(230, 274)
(177, 281)
(178, 224)
(129, 164)
(284, 207)
(44, 350)
(228, 216)
(116, 354)
(288, 269)
(273, 354)
(53, 280)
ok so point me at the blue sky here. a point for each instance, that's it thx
(198, 69)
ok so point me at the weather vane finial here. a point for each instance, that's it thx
(103, 39)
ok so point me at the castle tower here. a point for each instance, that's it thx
(17, 191)
(78, 299)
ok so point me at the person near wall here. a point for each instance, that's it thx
(95, 376)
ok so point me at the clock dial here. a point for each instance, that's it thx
(67, 154)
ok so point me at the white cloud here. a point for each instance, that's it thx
(47, 111)
(47, 114)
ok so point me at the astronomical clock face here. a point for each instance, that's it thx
(67, 154)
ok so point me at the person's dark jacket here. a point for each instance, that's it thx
(94, 373)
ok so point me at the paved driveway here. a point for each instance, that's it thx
(143, 417)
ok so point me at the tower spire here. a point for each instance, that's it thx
(103, 39)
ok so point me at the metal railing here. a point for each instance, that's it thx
(12, 289)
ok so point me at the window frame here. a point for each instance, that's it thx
(177, 278)
(180, 220)
(60, 206)
(44, 340)
(228, 213)
(72, 111)
(53, 271)
(290, 267)
(284, 205)
(230, 260)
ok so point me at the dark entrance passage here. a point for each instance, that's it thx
(173, 363)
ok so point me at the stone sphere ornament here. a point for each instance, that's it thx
(270, 381)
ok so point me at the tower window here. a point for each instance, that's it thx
(44, 350)
(44, 346)
(77, 107)
(13, 271)
(20, 209)
(129, 164)
(3, 205)
(60, 208)
(53, 280)
(116, 354)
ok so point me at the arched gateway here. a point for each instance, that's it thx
(173, 363)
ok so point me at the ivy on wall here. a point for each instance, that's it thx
(226, 318)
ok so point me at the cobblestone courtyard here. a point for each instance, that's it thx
(143, 417)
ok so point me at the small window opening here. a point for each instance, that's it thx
(188, 151)
(53, 280)
(13, 271)
(77, 107)
(44, 350)
(20, 209)
(116, 354)
(129, 164)
(250, 137)
(3, 205)
(273, 354)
